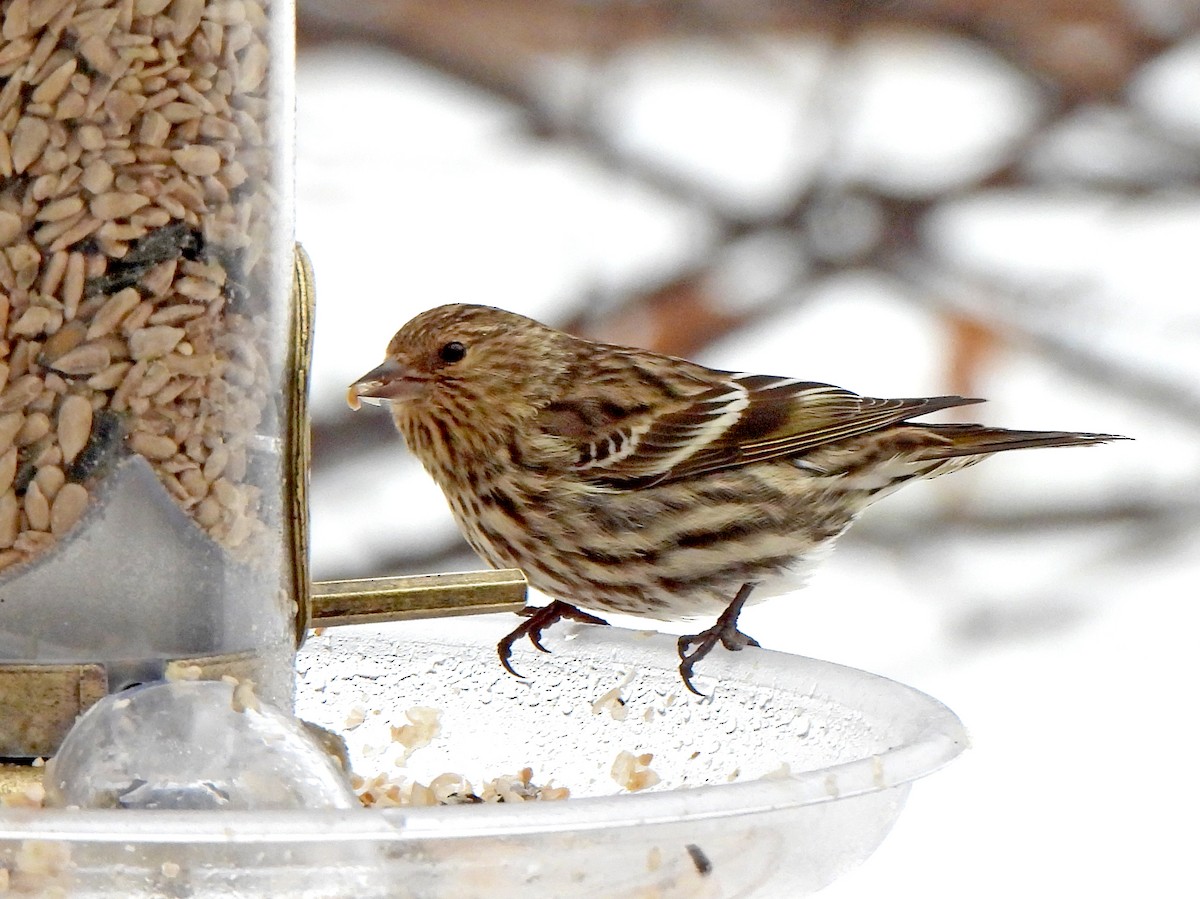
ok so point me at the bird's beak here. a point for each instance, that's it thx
(386, 383)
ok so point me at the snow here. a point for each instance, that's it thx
(923, 112)
(381, 506)
(727, 118)
(1167, 88)
(1078, 780)
(440, 200)
(853, 330)
(1137, 252)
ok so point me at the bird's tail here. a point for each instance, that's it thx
(979, 440)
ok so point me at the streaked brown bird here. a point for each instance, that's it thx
(623, 480)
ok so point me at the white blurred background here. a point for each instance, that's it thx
(902, 198)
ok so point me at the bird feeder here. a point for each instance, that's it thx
(135, 589)
(155, 326)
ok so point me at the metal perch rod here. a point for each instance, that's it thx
(370, 600)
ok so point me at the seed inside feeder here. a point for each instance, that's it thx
(137, 211)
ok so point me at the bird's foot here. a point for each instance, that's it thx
(538, 618)
(694, 647)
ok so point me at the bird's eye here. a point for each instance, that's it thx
(452, 352)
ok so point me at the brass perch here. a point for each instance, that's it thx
(335, 603)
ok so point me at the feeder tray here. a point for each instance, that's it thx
(787, 777)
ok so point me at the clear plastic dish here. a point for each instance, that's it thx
(790, 773)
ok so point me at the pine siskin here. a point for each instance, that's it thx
(624, 480)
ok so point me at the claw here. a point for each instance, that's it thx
(724, 632)
(504, 649)
(538, 618)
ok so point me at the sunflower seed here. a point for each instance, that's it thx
(74, 426)
(152, 446)
(68, 508)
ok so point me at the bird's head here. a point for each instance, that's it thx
(461, 358)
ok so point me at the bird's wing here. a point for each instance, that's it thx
(737, 419)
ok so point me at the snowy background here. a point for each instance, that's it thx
(899, 211)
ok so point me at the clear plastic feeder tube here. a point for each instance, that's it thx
(146, 256)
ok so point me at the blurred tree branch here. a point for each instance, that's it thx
(1080, 53)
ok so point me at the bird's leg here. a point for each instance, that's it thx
(538, 618)
(724, 632)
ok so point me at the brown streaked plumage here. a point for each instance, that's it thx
(624, 480)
